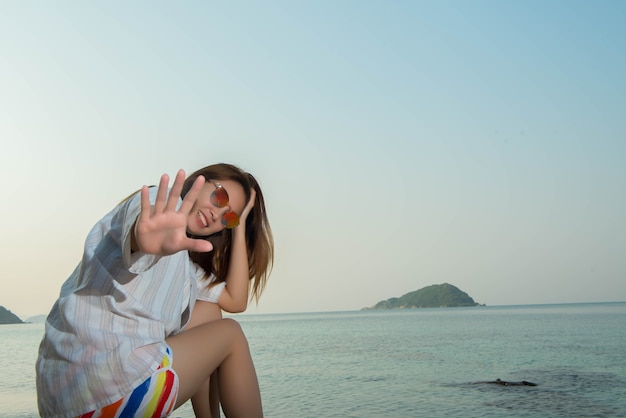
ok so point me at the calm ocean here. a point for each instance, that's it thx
(409, 363)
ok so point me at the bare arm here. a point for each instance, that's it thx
(234, 298)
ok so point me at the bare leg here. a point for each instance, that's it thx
(206, 402)
(199, 351)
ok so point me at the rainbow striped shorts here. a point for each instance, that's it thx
(156, 397)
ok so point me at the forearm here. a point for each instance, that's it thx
(235, 296)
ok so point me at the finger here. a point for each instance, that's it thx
(161, 194)
(145, 203)
(252, 198)
(192, 195)
(199, 245)
(250, 203)
(172, 199)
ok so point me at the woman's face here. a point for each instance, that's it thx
(205, 217)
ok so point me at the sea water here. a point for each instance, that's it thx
(409, 363)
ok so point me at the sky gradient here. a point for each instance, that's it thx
(399, 144)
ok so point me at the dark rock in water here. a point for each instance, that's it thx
(505, 383)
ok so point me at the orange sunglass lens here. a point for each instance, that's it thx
(230, 219)
(219, 197)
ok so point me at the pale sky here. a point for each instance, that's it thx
(399, 144)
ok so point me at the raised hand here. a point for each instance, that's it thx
(248, 208)
(161, 229)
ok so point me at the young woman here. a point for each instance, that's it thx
(137, 328)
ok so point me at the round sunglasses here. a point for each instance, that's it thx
(219, 198)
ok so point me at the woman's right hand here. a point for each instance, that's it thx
(162, 229)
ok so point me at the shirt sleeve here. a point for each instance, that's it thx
(208, 294)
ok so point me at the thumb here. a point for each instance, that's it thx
(199, 245)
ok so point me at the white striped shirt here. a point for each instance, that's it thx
(106, 333)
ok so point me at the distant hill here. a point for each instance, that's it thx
(37, 319)
(8, 317)
(435, 296)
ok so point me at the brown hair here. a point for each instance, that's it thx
(259, 239)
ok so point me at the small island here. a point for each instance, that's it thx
(8, 317)
(435, 296)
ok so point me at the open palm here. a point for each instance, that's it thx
(162, 229)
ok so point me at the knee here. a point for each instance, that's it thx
(234, 329)
(232, 325)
